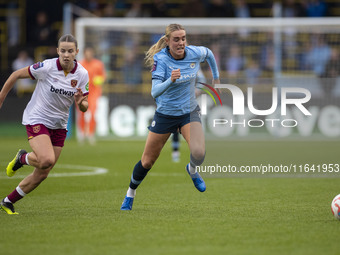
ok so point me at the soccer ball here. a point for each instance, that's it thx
(335, 206)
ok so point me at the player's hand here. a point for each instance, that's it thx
(78, 96)
(175, 74)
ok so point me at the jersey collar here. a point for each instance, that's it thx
(73, 70)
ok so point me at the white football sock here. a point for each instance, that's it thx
(7, 200)
(26, 159)
(192, 170)
(131, 192)
(20, 191)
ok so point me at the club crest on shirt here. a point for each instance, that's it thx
(192, 65)
(37, 65)
(154, 67)
(36, 129)
(74, 83)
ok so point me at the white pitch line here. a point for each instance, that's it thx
(90, 170)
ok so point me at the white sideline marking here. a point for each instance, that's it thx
(87, 171)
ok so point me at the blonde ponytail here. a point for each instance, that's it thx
(158, 46)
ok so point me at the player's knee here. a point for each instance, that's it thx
(148, 164)
(148, 160)
(197, 157)
(198, 154)
(46, 162)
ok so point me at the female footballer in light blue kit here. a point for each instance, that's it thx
(174, 69)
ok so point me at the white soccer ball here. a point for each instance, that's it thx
(335, 206)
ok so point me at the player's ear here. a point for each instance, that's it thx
(77, 51)
(166, 39)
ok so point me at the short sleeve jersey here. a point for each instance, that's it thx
(54, 93)
(179, 98)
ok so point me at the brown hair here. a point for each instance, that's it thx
(158, 46)
(68, 38)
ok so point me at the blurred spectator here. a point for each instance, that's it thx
(137, 10)
(109, 10)
(159, 8)
(41, 33)
(220, 8)
(267, 57)
(315, 8)
(93, 6)
(235, 61)
(193, 8)
(318, 55)
(51, 52)
(23, 85)
(13, 25)
(132, 67)
(288, 9)
(252, 72)
(241, 9)
(332, 72)
(291, 9)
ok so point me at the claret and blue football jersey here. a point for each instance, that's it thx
(54, 93)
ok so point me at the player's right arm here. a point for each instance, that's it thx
(159, 70)
(159, 87)
(9, 84)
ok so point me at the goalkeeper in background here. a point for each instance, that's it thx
(86, 122)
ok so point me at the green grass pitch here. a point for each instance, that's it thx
(247, 214)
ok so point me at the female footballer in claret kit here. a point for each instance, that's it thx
(174, 70)
(60, 82)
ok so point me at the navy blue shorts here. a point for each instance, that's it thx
(163, 124)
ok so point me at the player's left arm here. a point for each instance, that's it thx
(213, 66)
(81, 100)
(80, 97)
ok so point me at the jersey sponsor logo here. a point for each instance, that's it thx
(154, 67)
(37, 65)
(188, 76)
(36, 129)
(87, 87)
(62, 91)
(74, 83)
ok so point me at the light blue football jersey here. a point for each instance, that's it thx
(179, 98)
